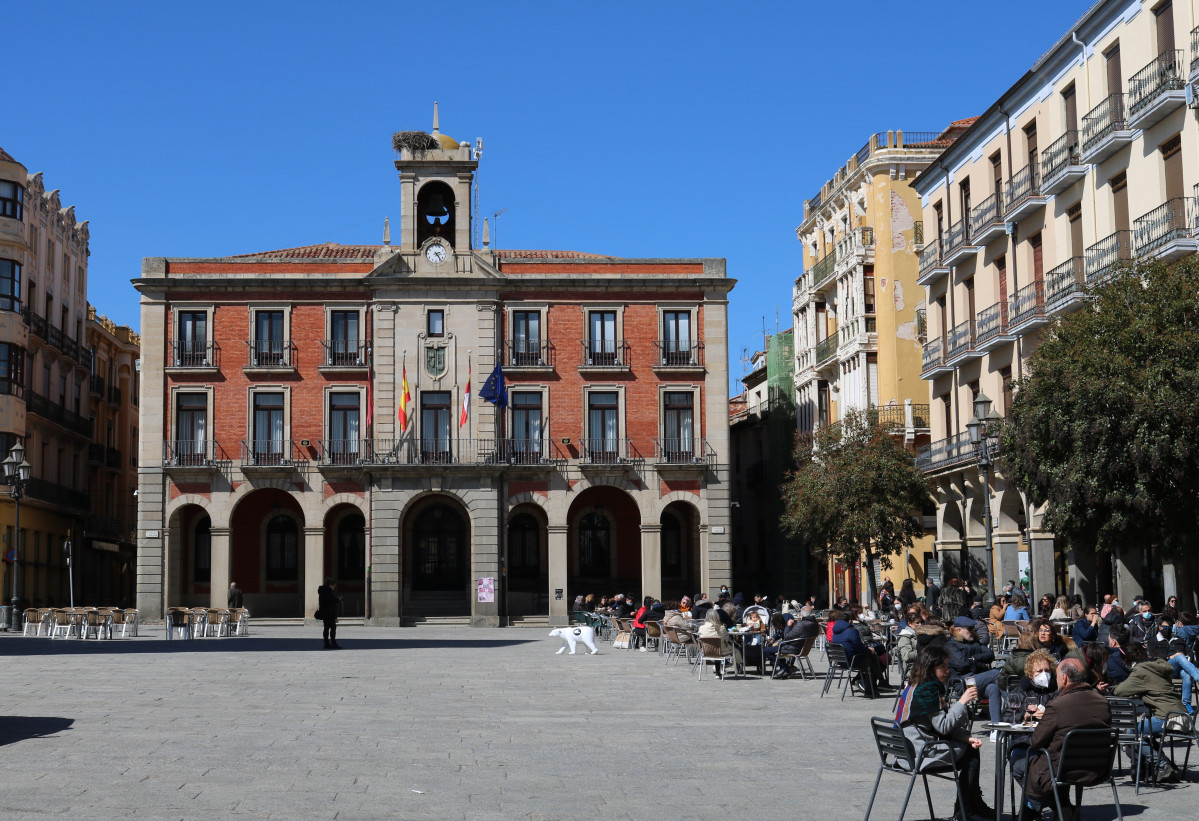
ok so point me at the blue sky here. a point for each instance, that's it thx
(635, 129)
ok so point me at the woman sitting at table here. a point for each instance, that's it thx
(685, 607)
(926, 716)
(1026, 701)
(1017, 610)
(1061, 609)
(643, 614)
(1150, 681)
(713, 628)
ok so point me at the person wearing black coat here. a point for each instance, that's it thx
(933, 594)
(846, 635)
(1086, 629)
(967, 657)
(327, 602)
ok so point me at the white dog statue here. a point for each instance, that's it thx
(571, 636)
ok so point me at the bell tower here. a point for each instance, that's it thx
(436, 176)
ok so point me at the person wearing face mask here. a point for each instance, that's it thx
(1037, 687)
(1141, 626)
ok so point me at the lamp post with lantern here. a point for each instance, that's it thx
(985, 442)
(16, 476)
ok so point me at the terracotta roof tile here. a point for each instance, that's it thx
(329, 250)
(966, 123)
(509, 254)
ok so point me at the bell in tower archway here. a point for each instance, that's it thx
(435, 211)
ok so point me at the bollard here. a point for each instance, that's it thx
(5, 616)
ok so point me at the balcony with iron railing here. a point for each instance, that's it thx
(1027, 309)
(605, 450)
(608, 354)
(1024, 195)
(1064, 285)
(112, 459)
(1194, 78)
(59, 415)
(408, 451)
(824, 271)
(271, 355)
(957, 242)
(1168, 231)
(1060, 164)
(344, 354)
(533, 354)
(96, 386)
(933, 358)
(95, 454)
(342, 452)
(991, 327)
(1104, 256)
(826, 350)
(946, 453)
(682, 452)
(960, 342)
(525, 452)
(986, 219)
(1157, 89)
(858, 330)
(114, 395)
(191, 454)
(1105, 130)
(271, 455)
(111, 529)
(194, 355)
(855, 248)
(56, 494)
(932, 267)
(678, 353)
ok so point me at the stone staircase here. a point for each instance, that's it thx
(436, 608)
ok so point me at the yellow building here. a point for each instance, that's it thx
(1091, 158)
(858, 311)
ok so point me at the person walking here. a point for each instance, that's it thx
(235, 597)
(327, 602)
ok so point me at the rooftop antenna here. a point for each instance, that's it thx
(495, 220)
(474, 208)
(744, 361)
(386, 231)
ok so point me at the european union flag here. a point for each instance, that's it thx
(493, 389)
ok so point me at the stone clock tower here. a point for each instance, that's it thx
(435, 189)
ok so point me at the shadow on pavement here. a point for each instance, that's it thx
(19, 728)
(239, 644)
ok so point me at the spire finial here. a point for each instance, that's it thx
(435, 117)
(387, 231)
(486, 233)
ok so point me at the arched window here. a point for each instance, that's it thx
(524, 546)
(594, 545)
(440, 560)
(672, 546)
(282, 550)
(351, 547)
(202, 551)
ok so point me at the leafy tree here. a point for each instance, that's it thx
(1105, 424)
(858, 491)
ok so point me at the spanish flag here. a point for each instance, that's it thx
(465, 401)
(405, 398)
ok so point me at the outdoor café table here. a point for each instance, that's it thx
(742, 638)
(1008, 734)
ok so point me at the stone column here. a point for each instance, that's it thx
(558, 564)
(709, 580)
(218, 563)
(1128, 576)
(1040, 561)
(651, 560)
(1083, 575)
(314, 567)
(1007, 560)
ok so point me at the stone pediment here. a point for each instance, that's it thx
(395, 263)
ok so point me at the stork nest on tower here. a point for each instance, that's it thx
(418, 142)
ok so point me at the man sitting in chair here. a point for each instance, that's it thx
(1078, 706)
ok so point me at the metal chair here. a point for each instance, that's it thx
(33, 621)
(1179, 728)
(1087, 756)
(712, 652)
(1126, 723)
(798, 652)
(844, 671)
(180, 619)
(896, 755)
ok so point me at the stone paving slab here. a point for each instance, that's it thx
(434, 723)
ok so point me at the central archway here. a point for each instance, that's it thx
(440, 558)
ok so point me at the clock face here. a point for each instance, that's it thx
(435, 253)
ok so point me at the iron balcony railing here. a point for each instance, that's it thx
(189, 453)
(606, 451)
(1063, 282)
(271, 353)
(1105, 255)
(1169, 222)
(263, 453)
(930, 256)
(921, 139)
(95, 453)
(863, 153)
(987, 213)
(346, 353)
(194, 354)
(681, 450)
(958, 235)
(529, 353)
(430, 450)
(918, 232)
(605, 353)
(945, 453)
(35, 323)
(823, 271)
(932, 355)
(111, 528)
(96, 386)
(523, 451)
(960, 340)
(57, 494)
(921, 324)
(112, 458)
(1060, 155)
(1027, 303)
(992, 322)
(678, 353)
(1102, 120)
(826, 349)
(1195, 49)
(44, 407)
(1024, 184)
(114, 395)
(1164, 73)
(342, 451)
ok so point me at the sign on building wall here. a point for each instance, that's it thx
(487, 589)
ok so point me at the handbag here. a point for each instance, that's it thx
(622, 640)
(319, 615)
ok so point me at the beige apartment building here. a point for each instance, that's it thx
(858, 310)
(1091, 158)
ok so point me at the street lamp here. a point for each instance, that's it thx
(985, 443)
(16, 476)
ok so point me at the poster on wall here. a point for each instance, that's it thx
(487, 589)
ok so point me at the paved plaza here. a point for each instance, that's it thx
(434, 723)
